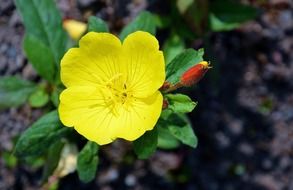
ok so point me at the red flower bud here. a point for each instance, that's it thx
(194, 74)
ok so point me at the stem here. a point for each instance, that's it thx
(172, 88)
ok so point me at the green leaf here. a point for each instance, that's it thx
(180, 103)
(39, 98)
(96, 24)
(52, 160)
(55, 95)
(143, 22)
(181, 63)
(40, 136)
(165, 139)
(172, 47)
(14, 91)
(227, 14)
(180, 127)
(183, 5)
(40, 56)
(43, 21)
(34, 162)
(162, 21)
(218, 25)
(146, 145)
(9, 159)
(87, 162)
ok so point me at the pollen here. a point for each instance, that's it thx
(118, 94)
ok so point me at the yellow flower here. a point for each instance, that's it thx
(112, 88)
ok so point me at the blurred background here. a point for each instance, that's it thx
(244, 117)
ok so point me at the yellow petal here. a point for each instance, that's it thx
(145, 63)
(84, 108)
(94, 62)
(76, 102)
(74, 28)
(142, 117)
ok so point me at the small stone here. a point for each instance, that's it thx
(130, 180)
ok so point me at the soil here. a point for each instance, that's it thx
(244, 119)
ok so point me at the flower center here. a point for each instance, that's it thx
(119, 95)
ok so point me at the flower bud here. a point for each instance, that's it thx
(194, 74)
(74, 28)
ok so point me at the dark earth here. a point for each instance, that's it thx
(244, 119)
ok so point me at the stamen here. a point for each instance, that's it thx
(119, 95)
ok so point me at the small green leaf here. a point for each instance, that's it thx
(172, 47)
(14, 91)
(181, 63)
(9, 159)
(40, 56)
(218, 25)
(87, 162)
(55, 95)
(165, 139)
(96, 24)
(34, 162)
(180, 103)
(52, 159)
(39, 98)
(162, 21)
(227, 14)
(185, 134)
(146, 145)
(143, 22)
(40, 136)
(180, 127)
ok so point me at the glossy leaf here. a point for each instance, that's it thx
(40, 56)
(180, 103)
(40, 136)
(165, 139)
(145, 21)
(14, 91)
(182, 63)
(87, 162)
(146, 145)
(180, 127)
(43, 22)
